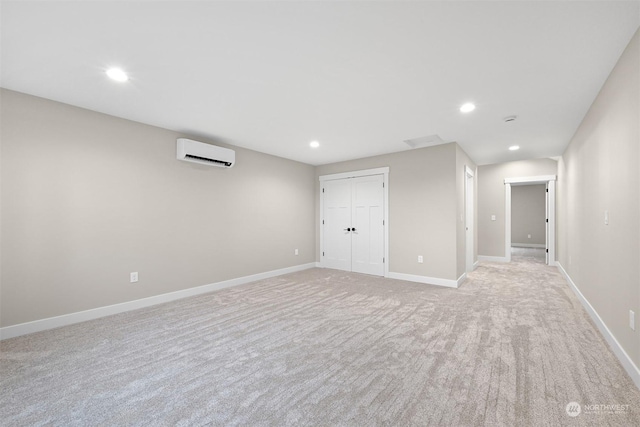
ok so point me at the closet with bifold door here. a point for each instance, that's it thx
(353, 224)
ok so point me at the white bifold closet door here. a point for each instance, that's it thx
(353, 221)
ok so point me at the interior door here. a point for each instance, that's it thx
(353, 224)
(546, 220)
(337, 224)
(469, 219)
(367, 229)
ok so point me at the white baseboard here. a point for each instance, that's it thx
(492, 258)
(95, 313)
(528, 245)
(318, 264)
(622, 355)
(461, 279)
(428, 280)
(475, 264)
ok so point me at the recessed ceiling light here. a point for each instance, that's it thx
(314, 144)
(468, 107)
(117, 74)
(514, 147)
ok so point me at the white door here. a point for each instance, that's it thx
(337, 224)
(367, 229)
(546, 220)
(469, 214)
(353, 224)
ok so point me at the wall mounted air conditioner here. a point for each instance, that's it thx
(205, 154)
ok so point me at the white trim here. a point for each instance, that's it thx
(528, 245)
(475, 264)
(318, 264)
(530, 179)
(485, 258)
(424, 279)
(355, 174)
(507, 221)
(550, 180)
(461, 279)
(96, 313)
(622, 355)
(384, 171)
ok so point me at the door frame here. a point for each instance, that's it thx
(384, 171)
(469, 214)
(550, 180)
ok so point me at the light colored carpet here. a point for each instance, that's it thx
(512, 346)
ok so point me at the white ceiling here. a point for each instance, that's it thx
(360, 77)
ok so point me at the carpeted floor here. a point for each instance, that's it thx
(512, 346)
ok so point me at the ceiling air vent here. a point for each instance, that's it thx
(425, 141)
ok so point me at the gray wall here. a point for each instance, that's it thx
(598, 172)
(491, 199)
(88, 198)
(423, 208)
(528, 214)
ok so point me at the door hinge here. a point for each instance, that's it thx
(322, 253)
(323, 221)
(547, 190)
(547, 250)
(383, 185)
(323, 190)
(383, 222)
(383, 260)
(547, 220)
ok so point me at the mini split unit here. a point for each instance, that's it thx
(205, 154)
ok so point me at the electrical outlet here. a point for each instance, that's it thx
(632, 320)
(133, 277)
(420, 259)
(528, 236)
(296, 252)
(493, 217)
(606, 217)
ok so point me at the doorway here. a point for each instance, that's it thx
(469, 219)
(353, 221)
(549, 213)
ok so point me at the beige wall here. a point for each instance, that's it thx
(598, 173)
(528, 214)
(88, 198)
(423, 208)
(491, 199)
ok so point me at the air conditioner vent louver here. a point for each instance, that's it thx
(205, 154)
(204, 159)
